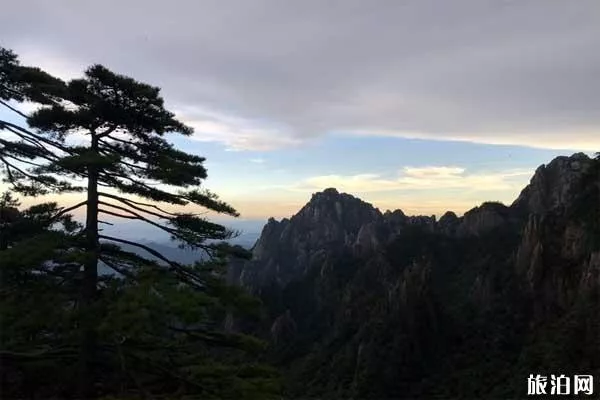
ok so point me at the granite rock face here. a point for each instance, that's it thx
(287, 249)
(553, 185)
(485, 218)
(367, 304)
(330, 220)
(448, 223)
(283, 328)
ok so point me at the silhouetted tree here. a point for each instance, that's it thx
(158, 320)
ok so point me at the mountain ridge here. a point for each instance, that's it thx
(364, 304)
(331, 217)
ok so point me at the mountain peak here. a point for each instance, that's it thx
(333, 206)
(285, 250)
(328, 194)
(554, 184)
(331, 190)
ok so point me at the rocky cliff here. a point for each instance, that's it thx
(287, 249)
(364, 304)
(554, 185)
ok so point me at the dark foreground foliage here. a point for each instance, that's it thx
(147, 327)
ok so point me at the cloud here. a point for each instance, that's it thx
(236, 133)
(257, 160)
(419, 178)
(584, 140)
(280, 73)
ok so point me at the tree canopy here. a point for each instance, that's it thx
(151, 327)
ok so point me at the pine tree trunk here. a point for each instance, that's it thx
(89, 283)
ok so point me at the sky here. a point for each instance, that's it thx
(420, 105)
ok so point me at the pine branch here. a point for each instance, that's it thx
(33, 141)
(131, 259)
(172, 231)
(107, 132)
(129, 202)
(33, 154)
(143, 190)
(145, 184)
(38, 137)
(22, 161)
(128, 151)
(134, 205)
(67, 210)
(137, 216)
(43, 151)
(18, 149)
(15, 93)
(119, 270)
(144, 247)
(11, 178)
(176, 266)
(114, 214)
(13, 109)
(120, 140)
(133, 168)
(27, 175)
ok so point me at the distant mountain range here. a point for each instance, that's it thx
(186, 256)
(139, 230)
(171, 251)
(368, 305)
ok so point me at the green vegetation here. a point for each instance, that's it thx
(440, 316)
(149, 329)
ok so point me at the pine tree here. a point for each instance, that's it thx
(34, 313)
(20, 147)
(158, 320)
(9, 213)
